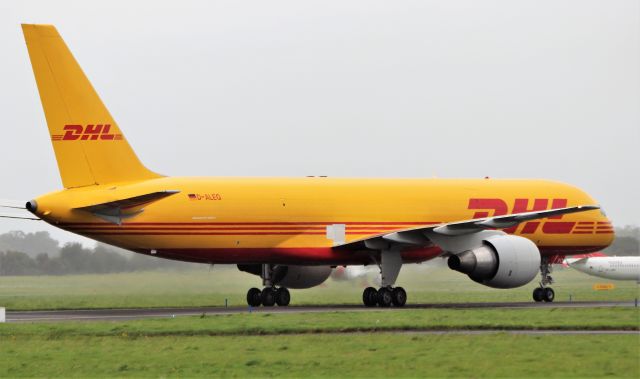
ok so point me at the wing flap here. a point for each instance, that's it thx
(129, 203)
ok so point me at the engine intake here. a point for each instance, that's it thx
(501, 262)
(481, 263)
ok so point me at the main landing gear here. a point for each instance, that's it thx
(544, 293)
(387, 295)
(270, 295)
(384, 297)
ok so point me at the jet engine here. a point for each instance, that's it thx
(502, 261)
(293, 276)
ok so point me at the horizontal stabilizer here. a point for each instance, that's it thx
(118, 210)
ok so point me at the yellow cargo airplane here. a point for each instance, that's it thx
(292, 231)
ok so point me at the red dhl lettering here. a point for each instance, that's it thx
(90, 132)
(498, 207)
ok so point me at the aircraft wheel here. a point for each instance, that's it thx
(537, 294)
(268, 297)
(548, 295)
(254, 297)
(370, 297)
(384, 297)
(399, 297)
(282, 297)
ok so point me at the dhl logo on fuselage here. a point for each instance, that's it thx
(499, 207)
(91, 132)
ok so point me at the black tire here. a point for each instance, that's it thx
(384, 297)
(537, 294)
(254, 297)
(268, 297)
(548, 295)
(399, 297)
(282, 297)
(370, 297)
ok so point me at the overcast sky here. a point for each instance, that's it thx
(524, 89)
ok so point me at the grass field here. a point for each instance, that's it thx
(424, 284)
(332, 344)
(354, 355)
(315, 345)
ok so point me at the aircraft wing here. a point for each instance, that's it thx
(117, 210)
(419, 236)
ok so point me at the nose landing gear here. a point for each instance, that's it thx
(544, 293)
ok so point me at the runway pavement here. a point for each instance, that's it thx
(132, 314)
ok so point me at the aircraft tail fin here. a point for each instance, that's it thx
(89, 146)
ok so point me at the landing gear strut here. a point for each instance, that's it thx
(387, 295)
(544, 293)
(270, 295)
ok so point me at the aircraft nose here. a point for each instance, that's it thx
(606, 230)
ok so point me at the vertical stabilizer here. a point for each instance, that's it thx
(89, 146)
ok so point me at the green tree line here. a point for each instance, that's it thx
(39, 254)
(44, 256)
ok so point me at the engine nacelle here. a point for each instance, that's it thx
(293, 276)
(502, 261)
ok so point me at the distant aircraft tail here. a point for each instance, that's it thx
(580, 258)
(89, 146)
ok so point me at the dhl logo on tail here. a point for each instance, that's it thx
(91, 132)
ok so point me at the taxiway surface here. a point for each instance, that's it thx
(142, 313)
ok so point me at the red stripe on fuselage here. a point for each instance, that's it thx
(248, 223)
(323, 255)
(211, 233)
(557, 227)
(301, 228)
